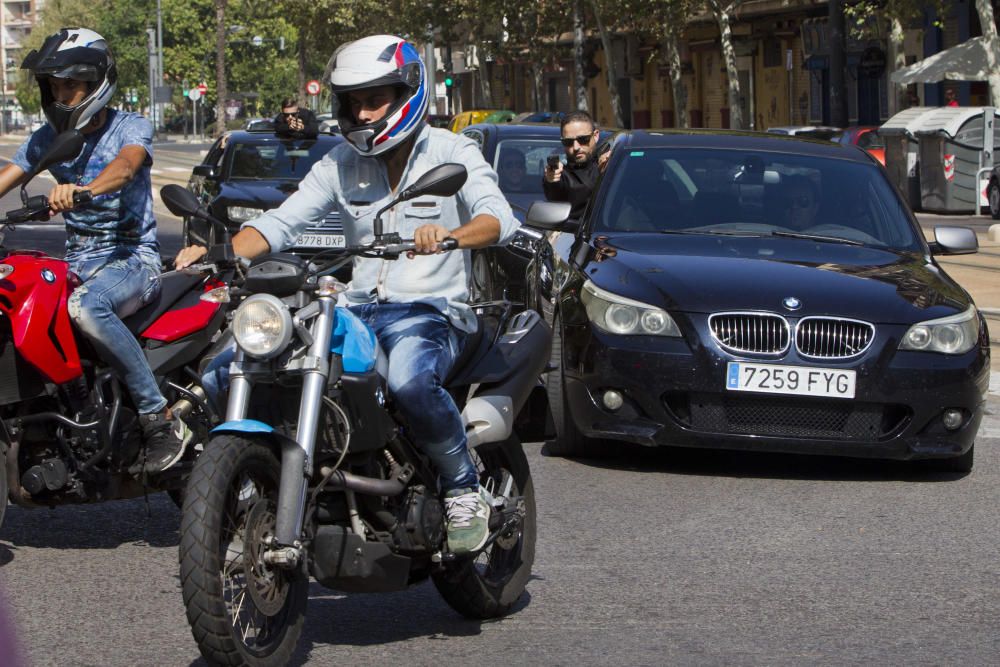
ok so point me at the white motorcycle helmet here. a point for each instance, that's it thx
(74, 53)
(380, 60)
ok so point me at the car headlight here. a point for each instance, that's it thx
(955, 334)
(618, 315)
(243, 213)
(262, 326)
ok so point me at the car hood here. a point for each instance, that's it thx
(706, 274)
(259, 194)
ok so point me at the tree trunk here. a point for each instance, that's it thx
(485, 85)
(609, 60)
(580, 81)
(729, 57)
(673, 57)
(220, 67)
(989, 27)
(300, 93)
(897, 97)
(536, 84)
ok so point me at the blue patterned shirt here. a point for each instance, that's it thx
(114, 221)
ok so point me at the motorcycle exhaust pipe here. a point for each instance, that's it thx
(369, 486)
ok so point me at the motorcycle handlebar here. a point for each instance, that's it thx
(37, 208)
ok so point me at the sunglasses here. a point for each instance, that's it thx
(800, 201)
(583, 140)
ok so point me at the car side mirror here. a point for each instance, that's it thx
(550, 215)
(205, 170)
(954, 241)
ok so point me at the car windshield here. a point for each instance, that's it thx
(709, 191)
(520, 162)
(275, 160)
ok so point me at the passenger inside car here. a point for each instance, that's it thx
(513, 170)
(800, 202)
(650, 204)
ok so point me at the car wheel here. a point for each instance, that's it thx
(569, 441)
(481, 287)
(993, 195)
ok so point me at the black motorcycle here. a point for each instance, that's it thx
(325, 480)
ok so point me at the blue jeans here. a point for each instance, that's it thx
(112, 289)
(421, 346)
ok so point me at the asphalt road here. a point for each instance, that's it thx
(649, 557)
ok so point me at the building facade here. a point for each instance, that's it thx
(783, 58)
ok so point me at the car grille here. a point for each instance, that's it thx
(753, 333)
(786, 417)
(832, 338)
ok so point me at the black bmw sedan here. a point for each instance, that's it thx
(742, 291)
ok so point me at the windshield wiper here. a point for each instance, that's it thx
(706, 232)
(817, 237)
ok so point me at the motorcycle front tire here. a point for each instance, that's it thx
(232, 493)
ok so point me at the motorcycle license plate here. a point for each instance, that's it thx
(321, 241)
(793, 380)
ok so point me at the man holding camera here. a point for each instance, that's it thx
(575, 181)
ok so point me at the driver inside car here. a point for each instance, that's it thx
(799, 202)
(416, 306)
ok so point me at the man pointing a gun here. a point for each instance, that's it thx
(574, 181)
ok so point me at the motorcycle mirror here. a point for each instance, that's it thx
(443, 180)
(179, 200)
(64, 147)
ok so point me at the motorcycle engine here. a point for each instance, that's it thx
(420, 521)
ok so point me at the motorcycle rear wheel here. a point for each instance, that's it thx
(3, 487)
(489, 585)
(241, 611)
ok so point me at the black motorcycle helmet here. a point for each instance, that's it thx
(74, 53)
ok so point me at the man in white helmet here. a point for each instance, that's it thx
(416, 307)
(111, 241)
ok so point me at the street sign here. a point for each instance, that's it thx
(257, 40)
(194, 94)
(202, 88)
(313, 87)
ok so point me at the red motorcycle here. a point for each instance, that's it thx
(68, 429)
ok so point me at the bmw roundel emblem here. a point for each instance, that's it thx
(791, 303)
(48, 276)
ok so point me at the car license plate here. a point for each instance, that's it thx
(321, 241)
(795, 380)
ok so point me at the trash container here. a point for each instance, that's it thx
(950, 144)
(901, 155)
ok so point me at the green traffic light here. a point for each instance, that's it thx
(448, 81)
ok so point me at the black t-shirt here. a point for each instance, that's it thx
(574, 186)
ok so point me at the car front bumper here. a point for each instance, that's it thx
(675, 395)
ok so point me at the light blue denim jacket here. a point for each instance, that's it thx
(359, 186)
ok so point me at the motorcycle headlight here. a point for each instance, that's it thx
(955, 334)
(243, 213)
(262, 326)
(618, 315)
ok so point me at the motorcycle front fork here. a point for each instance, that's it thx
(297, 454)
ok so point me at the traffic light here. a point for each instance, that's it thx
(448, 80)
